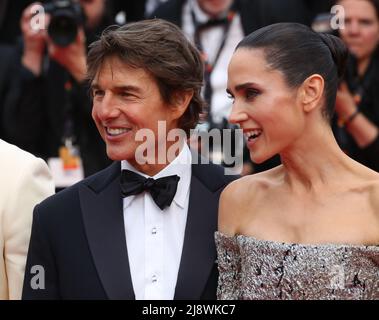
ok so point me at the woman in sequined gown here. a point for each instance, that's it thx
(309, 228)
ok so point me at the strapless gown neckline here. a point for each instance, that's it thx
(262, 269)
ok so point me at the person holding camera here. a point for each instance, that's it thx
(356, 124)
(49, 113)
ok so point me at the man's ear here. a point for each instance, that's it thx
(312, 92)
(180, 102)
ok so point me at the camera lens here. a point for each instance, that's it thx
(63, 28)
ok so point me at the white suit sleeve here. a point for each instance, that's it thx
(30, 183)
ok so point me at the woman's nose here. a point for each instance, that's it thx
(237, 115)
(353, 28)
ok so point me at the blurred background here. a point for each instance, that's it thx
(45, 107)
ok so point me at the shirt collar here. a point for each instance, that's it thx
(180, 166)
(200, 15)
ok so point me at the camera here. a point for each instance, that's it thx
(66, 17)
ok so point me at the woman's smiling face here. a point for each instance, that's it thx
(264, 105)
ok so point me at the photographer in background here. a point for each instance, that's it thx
(356, 126)
(49, 112)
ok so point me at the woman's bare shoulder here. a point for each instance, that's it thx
(373, 187)
(368, 187)
(247, 186)
(238, 198)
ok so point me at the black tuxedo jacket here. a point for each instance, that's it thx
(78, 237)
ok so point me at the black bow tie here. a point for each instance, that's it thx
(211, 23)
(162, 190)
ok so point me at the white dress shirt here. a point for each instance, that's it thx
(155, 237)
(211, 40)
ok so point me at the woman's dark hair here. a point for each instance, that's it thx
(375, 4)
(161, 49)
(299, 52)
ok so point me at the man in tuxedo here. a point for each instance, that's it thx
(144, 227)
(24, 181)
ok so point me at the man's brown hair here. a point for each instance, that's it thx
(160, 48)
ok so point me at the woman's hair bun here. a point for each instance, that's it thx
(338, 50)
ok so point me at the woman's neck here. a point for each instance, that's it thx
(315, 163)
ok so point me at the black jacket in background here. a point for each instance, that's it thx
(369, 106)
(10, 22)
(7, 64)
(134, 9)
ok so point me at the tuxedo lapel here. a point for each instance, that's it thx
(101, 204)
(199, 253)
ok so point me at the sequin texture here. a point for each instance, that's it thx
(259, 269)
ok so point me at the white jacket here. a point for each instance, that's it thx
(24, 182)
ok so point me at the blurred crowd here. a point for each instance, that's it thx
(45, 106)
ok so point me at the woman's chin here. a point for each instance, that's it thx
(259, 158)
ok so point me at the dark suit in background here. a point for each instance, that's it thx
(135, 10)
(10, 13)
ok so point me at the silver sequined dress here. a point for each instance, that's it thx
(259, 269)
